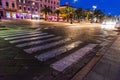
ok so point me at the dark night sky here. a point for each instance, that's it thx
(107, 6)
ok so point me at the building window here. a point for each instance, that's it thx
(1, 2)
(13, 5)
(28, 2)
(24, 1)
(45, 0)
(28, 9)
(24, 8)
(20, 7)
(7, 4)
(58, 3)
(48, 1)
(1, 13)
(41, 5)
(45, 6)
(19, 0)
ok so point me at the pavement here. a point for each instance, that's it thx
(108, 68)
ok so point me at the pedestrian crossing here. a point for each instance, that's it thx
(39, 48)
(45, 46)
(64, 63)
(58, 51)
(38, 42)
(19, 34)
(26, 36)
(32, 38)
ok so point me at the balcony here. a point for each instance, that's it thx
(10, 9)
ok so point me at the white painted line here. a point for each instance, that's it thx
(38, 42)
(26, 36)
(58, 51)
(67, 61)
(19, 34)
(38, 48)
(29, 39)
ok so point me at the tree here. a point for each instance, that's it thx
(99, 14)
(87, 13)
(68, 10)
(79, 13)
(58, 13)
(46, 10)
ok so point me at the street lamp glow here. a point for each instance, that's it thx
(94, 7)
(33, 3)
(75, 0)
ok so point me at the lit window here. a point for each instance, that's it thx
(24, 1)
(19, 0)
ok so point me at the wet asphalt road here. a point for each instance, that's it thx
(25, 67)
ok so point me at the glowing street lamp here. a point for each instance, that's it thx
(33, 3)
(94, 7)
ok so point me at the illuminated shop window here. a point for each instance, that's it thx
(8, 14)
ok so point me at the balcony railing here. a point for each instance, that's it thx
(10, 9)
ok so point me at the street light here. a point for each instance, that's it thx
(94, 8)
(71, 13)
(33, 3)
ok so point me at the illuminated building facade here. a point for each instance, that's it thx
(8, 8)
(26, 9)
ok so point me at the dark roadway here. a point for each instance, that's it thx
(15, 64)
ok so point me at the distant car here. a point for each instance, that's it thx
(117, 25)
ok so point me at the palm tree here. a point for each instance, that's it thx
(58, 13)
(87, 13)
(99, 14)
(68, 10)
(79, 13)
(46, 10)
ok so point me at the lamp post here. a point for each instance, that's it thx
(33, 3)
(94, 8)
(72, 14)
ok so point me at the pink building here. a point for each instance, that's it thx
(8, 8)
(27, 9)
(52, 4)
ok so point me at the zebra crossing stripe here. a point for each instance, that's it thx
(26, 36)
(37, 42)
(19, 34)
(33, 38)
(12, 33)
(58, 51)
(67, 61)
(38, 48)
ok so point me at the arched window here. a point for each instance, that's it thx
(13, 5)
(7, 4)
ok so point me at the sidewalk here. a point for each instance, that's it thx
(108, 68)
